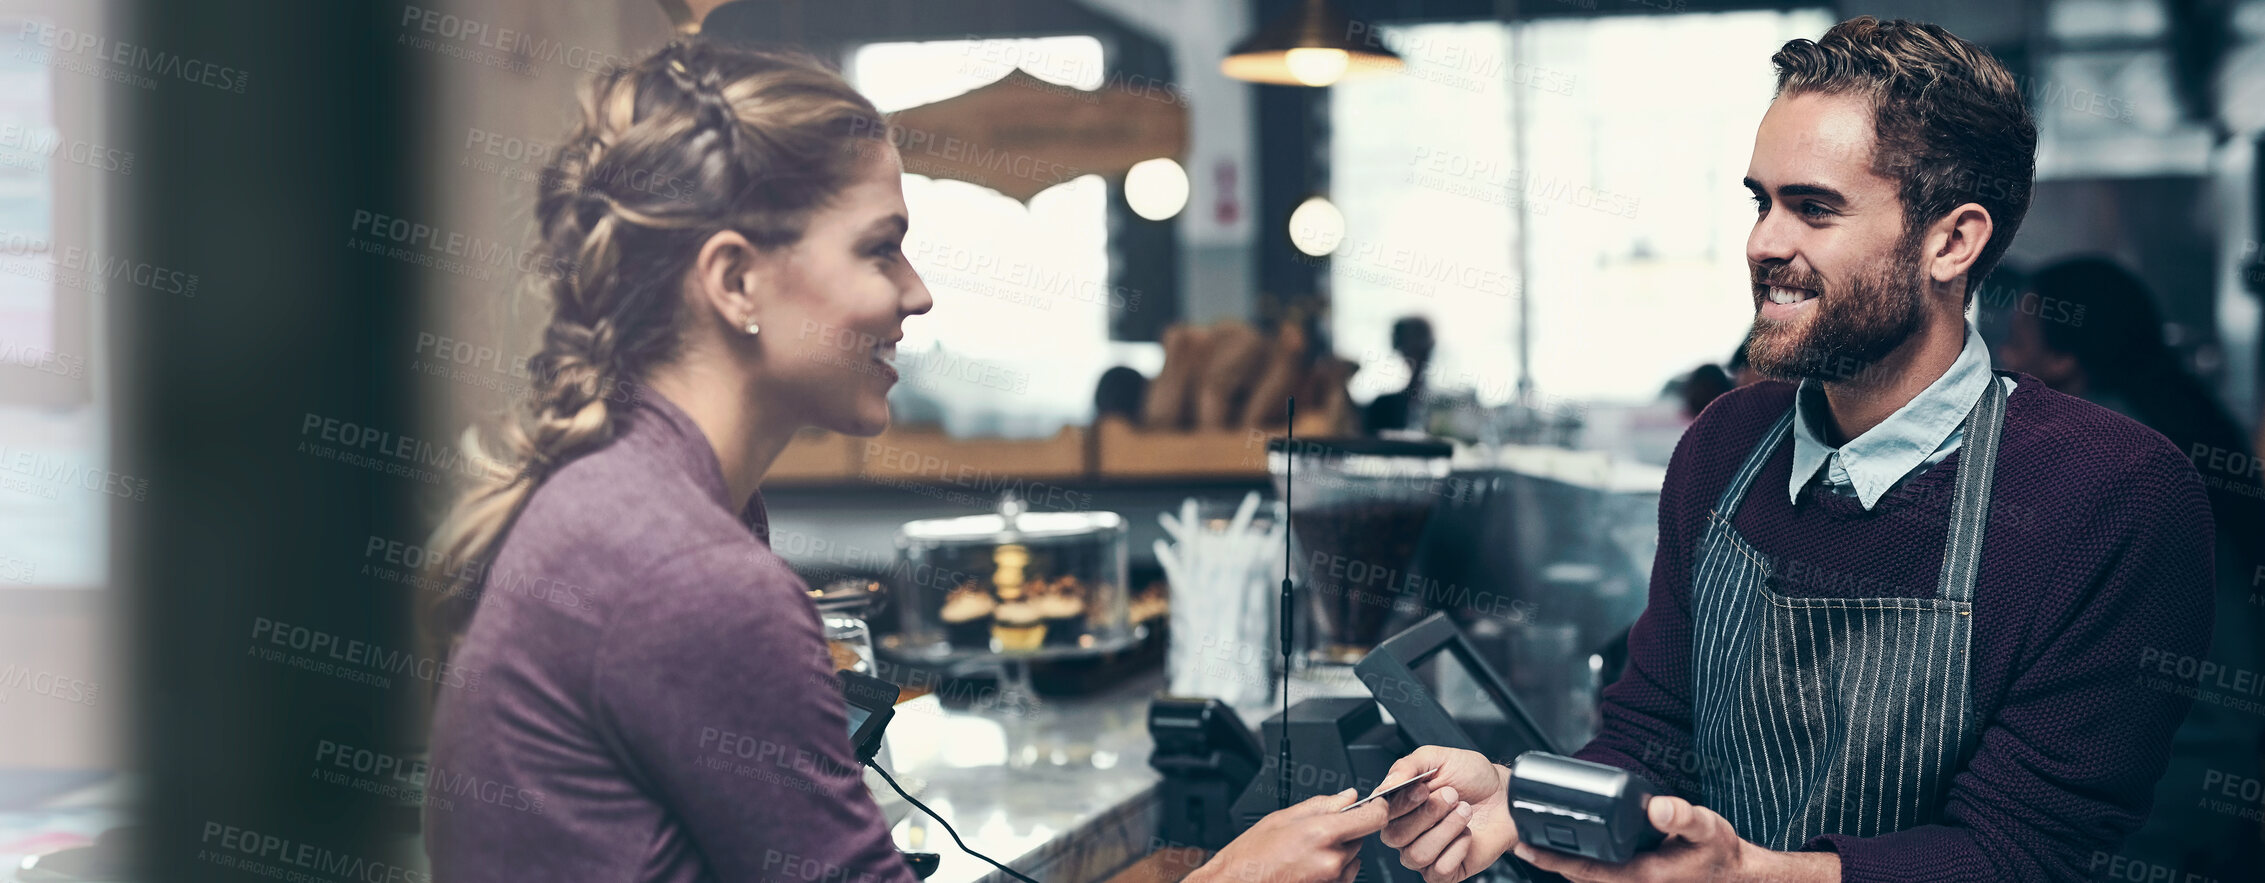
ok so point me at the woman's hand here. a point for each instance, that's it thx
(1310, 842)
(1457, 823)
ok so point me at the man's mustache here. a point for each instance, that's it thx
(1786, 277)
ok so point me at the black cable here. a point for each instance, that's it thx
(1289, 468)
(947, 825)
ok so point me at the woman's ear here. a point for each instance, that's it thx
(727, 279)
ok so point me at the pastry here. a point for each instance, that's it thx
(1237, 350)
(1154, 602)
(1017, 627)
(1062, 606)
(967, 617)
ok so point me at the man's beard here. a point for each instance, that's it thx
(1850, 328)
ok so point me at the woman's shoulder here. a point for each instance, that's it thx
(620, 527)
(732, 585)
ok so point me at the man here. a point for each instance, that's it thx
(1411, 338)
(1907, 616)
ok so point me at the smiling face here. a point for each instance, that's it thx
(1837, 284)
(832, 306)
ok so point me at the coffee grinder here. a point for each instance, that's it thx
(1358, 509)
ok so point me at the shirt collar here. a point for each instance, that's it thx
(654, 420)
(1876, 460)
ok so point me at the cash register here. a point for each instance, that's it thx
(1441, 692)
(1436, 689)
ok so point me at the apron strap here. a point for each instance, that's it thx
(1727, 506)
(1970, 505)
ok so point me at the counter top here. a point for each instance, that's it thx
(1059, 789)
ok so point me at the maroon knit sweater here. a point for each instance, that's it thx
(2096, 568)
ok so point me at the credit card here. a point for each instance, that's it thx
(1426, 774)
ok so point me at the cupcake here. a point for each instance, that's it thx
(967, 617)
(1153, 603)
(1062, 606)
(1018, 627)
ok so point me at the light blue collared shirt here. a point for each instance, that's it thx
(1917, 436)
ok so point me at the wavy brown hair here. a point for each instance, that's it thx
(696, 139)
(1949, 122)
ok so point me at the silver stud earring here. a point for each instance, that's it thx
(752, 327)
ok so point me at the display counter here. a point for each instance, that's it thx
(1060, 789)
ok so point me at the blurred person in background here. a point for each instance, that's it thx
(1741, 368)
(1412, 339)
(1703, 385)
(1997, 560)
(2088, 327)
(1119, 393)
(734, 222)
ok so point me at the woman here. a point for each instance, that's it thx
(2089, 327)
(733, 221)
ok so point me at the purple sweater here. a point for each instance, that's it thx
(656, 702)
(2095, 569)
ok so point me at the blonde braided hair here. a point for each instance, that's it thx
(694, 140)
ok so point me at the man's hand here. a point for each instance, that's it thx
(1457, 823)
(1310, 842)
(1700, 845)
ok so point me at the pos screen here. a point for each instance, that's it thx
(871, 702)
(1441, 692)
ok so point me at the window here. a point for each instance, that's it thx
(1624, 205)
(54, 436)
(28, 135)
(1004, 351)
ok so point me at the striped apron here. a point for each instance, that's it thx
(1828, 715)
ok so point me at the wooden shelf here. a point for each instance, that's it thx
(1123, 452)
(927, 454)
(1112, 453)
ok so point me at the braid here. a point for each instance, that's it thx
(706, 89)
(694, 140)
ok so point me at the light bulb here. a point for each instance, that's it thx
(1317, 67)
(1156, 188)
(1317, 227)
